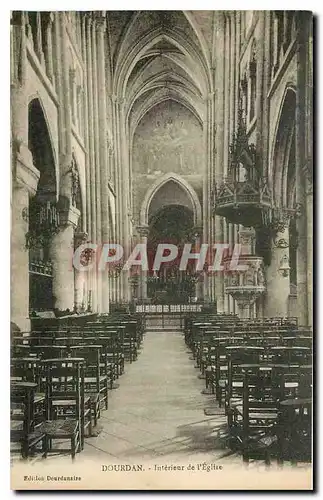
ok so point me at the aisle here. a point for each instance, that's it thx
(157, 412)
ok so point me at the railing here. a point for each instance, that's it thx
(168, 308)
(41, 268)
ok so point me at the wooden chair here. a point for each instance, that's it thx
(49, 351)
(108, 356)
(29, 370)
(95, 377)
(238, 360)
(25, 429)
(294, 427)
(20, 351)
(254, 422)
(69, 341)
(288, 355)
(231, 383)
(25, 369)
(295, 430)
(115, 352)
(130, 340)
(68, 410)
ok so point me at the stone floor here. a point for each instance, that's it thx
(157, 412)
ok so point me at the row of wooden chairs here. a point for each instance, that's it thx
(203, 334)
(264, 409)
(230, 323)
(62, 412)
(61, 379)
(260, 373)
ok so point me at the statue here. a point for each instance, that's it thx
(249, 276)
(260, 277)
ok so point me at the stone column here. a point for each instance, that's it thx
(300, 165)
(25, 180)
(24, 176)
(207, 130)
(49, 55)
(87, 220)
(18, 59)
(91, 156)
(97, 159)
(278, 285)
(127, 225)
(201, 285)
(143, 232)
(39, 45)
(118, 184)
(104, 156)
(80, 278)
(62, 249)
(218, 132)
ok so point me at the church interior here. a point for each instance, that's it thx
(181, 128)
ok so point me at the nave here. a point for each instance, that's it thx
(214, 389)
(157, 413)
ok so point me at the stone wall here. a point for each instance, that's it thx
(169, 138)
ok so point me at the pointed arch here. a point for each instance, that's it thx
(171, 176)
(40, 143)
(283, 141)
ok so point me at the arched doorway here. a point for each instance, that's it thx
(173, 224)
(43, 218)
(171, 211)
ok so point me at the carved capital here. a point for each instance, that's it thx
(143, 230)
(280, 220)
(69, 217)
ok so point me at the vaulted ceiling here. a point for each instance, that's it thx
(161, 55)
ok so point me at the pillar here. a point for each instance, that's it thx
(91, 157)
(300, 165)
(103, 154)
(25, 180)
(278, 285)
(218, 132)
(96, 144)
(50, 53)
(143, 232)
(24, 177)
(80, 278)
(62, 249)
